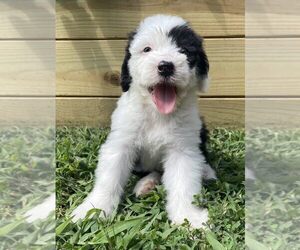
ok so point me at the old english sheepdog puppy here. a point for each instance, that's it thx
(156, 127)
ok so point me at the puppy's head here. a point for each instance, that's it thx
(164, 59)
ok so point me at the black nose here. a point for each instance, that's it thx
(166, 68)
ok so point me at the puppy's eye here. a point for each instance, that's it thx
(147, 49)
(183, 51)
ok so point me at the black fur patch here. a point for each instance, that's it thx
(192, 45)
(140, 174)
(125, 74)
(204, 138)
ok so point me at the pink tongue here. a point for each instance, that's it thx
(164, 97)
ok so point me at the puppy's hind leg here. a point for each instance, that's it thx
(146, 184)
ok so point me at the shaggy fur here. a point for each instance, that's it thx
(156, 138)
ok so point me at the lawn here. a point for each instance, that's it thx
(272, 200)
(27, 171)
(27, 174)
(141, 223)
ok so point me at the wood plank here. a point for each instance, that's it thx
(272, 67)
(272, 113)
(27, 19)
(27, 112)
(111, 19)
(27, 68)
(91, 68)
(96, 112)
(272, 18)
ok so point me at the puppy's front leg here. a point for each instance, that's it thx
(182, 180)
(115, 163)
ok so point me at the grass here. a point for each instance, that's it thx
(26, 178)
(273, 200)
(141, 223)
(27, 170)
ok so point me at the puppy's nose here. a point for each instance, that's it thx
(166, 68)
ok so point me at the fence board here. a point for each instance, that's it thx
(272, 67)
(27, 68)
(272, 19)
(96, 112)
(27, 19)
(23, 112)
(91, 68)
(110, 19)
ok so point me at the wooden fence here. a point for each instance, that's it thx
(90, 41)
(91, 37)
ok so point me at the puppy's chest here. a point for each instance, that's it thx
(154, 137)
(155, 134)
(153, 143)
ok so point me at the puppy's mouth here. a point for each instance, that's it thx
(164, 97)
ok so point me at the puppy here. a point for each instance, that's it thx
(156, 126)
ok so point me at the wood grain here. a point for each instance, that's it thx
(91, 68)
(25, 112)
(111, 19)
(27, 19)
(272, 113)
(96, 112)
(27, 68)
(272, 67)
(274, 18)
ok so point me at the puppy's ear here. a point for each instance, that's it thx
(125, 74)
(202, 67)
(192, 45)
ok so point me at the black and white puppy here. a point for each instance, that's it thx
(156, 125)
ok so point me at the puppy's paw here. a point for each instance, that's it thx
(146, 184)
(89, 203)
(41, 211)
(249, 174)
(197, 217)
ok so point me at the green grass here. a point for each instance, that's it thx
(27, 174)
(27, 168)
(273, 200)
(141, 223)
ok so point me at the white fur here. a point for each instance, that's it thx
(152, 33)
(249, 174)
(41, 211)
(169, 142)
(160, 141)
